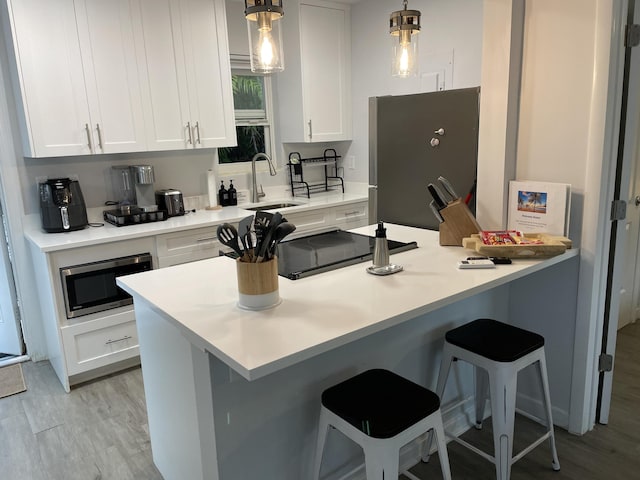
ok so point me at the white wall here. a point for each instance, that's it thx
(567, 128)
(450, 41)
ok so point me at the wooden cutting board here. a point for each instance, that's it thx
(552, 245)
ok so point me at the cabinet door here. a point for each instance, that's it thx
(49, 69)
(208, 72)
(159, 45)
(184, 46)
(111, 75)
(325, 53)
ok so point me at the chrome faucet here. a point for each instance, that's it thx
(255, 196)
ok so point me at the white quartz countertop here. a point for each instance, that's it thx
(50, 242)
(320, 312)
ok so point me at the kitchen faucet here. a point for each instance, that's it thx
(255, 196)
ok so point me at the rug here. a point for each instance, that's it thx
(11, 380)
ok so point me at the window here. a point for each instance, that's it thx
(252, 104)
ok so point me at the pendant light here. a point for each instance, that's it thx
(265, 38)
(403, 26)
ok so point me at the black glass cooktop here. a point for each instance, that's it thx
(305, 256)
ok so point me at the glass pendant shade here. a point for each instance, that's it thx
(404, 26)
(265, 36)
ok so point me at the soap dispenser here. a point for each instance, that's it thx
(223, 195)
(381, 265)
(381, 247)
(233, 194)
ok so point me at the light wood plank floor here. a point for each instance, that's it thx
(99, 431)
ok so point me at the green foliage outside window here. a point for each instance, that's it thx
(249, 104)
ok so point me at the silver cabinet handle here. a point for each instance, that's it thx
(350, 214)
(126, 337)
(310, 130)
(86, 128)
(190, 140)
(206, 239)
(99, 136)
(197, 129)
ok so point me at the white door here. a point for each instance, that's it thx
(10, 333)
(630, 287)
(625, 234)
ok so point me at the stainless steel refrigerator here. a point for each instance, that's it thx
(414, 139)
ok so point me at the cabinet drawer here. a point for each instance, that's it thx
(309, 221)
(100, 342)
(353, 212)
(182, 247)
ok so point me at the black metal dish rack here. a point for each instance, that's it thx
(329, 161)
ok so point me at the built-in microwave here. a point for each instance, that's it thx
(91, 287)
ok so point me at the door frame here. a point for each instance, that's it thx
(627, 140)
(9, 310)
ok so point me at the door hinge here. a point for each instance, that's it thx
(618, 210)
(632, 37)
(605, 362)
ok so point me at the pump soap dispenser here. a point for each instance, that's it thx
(381, 265)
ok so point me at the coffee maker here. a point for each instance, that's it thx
(62, 206)
(143, 181)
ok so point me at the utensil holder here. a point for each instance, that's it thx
(458, 223)
(258, 284)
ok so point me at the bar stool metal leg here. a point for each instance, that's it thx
(503, 386)
(482, 387)
(542, 369)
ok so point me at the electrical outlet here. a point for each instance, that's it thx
(351, 162)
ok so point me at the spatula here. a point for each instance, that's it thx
(228, 235)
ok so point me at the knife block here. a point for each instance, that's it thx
(458, 223)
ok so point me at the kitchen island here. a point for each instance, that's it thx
(235, 394)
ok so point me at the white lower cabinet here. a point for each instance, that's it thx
(97, 343)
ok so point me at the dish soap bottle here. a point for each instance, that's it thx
(233, 194)
(381, 247)
(223, 195)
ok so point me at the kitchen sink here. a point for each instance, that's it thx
(272, 206)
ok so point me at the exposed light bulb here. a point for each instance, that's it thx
(265, 43)
(404, 25)
(404, 61)
(265, 46)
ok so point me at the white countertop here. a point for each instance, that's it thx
(320, 312)
(50, 242)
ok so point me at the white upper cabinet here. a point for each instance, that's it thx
(115, 76)
(49, 70)
(111, 74)
(189, 98)
(315, 88)
(78, 77)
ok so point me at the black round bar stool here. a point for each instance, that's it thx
(381, 412)
(499, 351)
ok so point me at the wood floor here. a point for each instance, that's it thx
(99, 431)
